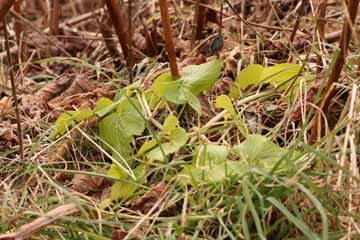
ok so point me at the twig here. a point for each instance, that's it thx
(13, 88)
(28, 229)
(169, 45)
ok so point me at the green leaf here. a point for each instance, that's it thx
(209, 164)
(131, 120)
(241, 126)
(146, 147)
(124, 189)
(250, 75)
(106, 108)
(69, 119)
(159, 83)
(209, 155)
(178, 138)
(102, 103)
(193, 101)
(260, 152)
(201, 77)
(281, 74)
(170, 123)
(117, 129)
(224, 102)
(193, 80)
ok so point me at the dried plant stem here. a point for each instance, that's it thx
(200, 18)
(18, 26)
(106, 32)
(118, 20)
(169, 45)
(27, 230)
(336, 70)
(55, 17)
(321, 29)
(195, 24)
(13, 88)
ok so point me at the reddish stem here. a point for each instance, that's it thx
(169, 45)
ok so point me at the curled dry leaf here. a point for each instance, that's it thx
(85, 183)
(7, 135)
(54, 88)
(152, 197)
(6, 105)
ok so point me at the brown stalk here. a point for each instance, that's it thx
(118, 20)
(299, 14)
(195, 24)
(328, 92)
(13, 88)
(321, 29)
(169, 45)
(18, 26)
(200, 18)
(55, 17)
(5, 5)
(106, 32)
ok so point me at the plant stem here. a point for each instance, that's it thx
(169, 45)
(55, 17)
(117, 18)
(13, 88)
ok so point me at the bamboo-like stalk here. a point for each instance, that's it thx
(316, 131)
(169, 45)
(118, 20)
